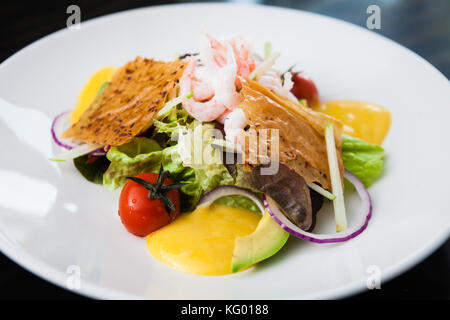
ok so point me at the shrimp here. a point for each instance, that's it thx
(200, 110)
(271, 79)
(225, 82)
(204, 111)
(187, 77)
(203, 87)
(193, 79)
(223, 117)
(218, 52)
(234, 125)
(241, 48)
(214, 82)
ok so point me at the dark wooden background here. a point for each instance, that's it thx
(422, 26)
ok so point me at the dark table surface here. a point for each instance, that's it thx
(422, 26)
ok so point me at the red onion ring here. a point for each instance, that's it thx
(100, 151)
(55, 123)
(342, 236)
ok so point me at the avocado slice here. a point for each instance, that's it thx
(267, 239)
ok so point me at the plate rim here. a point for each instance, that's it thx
(48, 273)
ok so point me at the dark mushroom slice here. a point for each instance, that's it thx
(289, 190)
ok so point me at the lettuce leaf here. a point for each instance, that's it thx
(196, 151)
(92, 168)
(170, 124)
(363, 159)
(137, 156)
(237, 201)
(190, 193)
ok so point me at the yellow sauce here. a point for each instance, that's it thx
(202, 241)
(367, 121)
(89, 91)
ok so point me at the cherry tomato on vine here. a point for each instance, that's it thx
(148, 202)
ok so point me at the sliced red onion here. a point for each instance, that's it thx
(76, 152)
(57, 127)
(223, 191)
(98, 153)
(347, 234)
(59, 124)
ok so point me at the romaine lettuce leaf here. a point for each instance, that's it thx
(363, 159)
(137, 156)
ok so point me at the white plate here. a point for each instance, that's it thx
(54, 223)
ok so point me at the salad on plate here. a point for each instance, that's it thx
(221, 156)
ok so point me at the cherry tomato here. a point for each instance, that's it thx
(141, 215)
(304, 88)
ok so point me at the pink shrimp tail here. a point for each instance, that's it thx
(220, 50)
